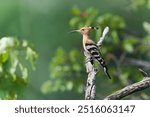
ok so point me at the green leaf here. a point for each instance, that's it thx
(46, 87)
(25, 43)
(4, 57)
(115, 37)
(74, 56)
(76, 11)
(117, 22)
(32, 56)
(128, 47)
(14, 63)
(69, 85)
(124, 78)
(128, 44)
(76, 67)
(146, 26)
(60, 56)
(105, 19)
(74, 21)
(132, 40)
(24, 71)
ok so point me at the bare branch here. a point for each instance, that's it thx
(90, 91)
(139, 62)
(143, 73)
(104, 34)
(139, 86)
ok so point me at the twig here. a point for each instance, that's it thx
(145, 83)
(90, 92)
(143, 73)
(104, 34)
(139, 62)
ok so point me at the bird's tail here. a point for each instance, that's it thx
(106, 72)
(102, 63)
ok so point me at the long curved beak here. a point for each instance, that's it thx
(74, 31)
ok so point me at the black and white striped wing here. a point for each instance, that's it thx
(93, 50)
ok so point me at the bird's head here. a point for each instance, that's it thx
(85, 30)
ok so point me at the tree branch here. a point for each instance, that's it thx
(145, 83)
(143, 73)
(142, 63)
(128, 90)
(104, 34)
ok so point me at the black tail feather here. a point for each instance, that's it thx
(102, 63)
(106, 72)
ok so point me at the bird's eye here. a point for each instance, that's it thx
(82, 29)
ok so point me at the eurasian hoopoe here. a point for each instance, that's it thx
(91, 48)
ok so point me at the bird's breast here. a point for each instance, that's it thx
(84, 46)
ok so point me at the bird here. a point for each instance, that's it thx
(91, 48)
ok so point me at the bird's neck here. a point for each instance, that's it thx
(86, 37)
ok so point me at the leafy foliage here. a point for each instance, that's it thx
(15, 59)
(67, 68)
(66, 72)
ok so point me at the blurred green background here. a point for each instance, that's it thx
(46, 23)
